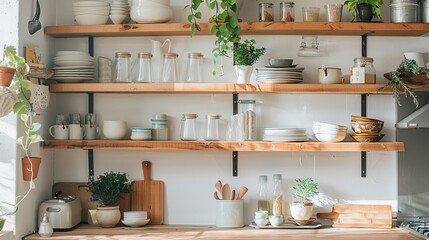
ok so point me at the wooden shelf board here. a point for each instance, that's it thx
(196, 88)
(223, 146)
(248, 28)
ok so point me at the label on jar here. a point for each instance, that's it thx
(357, 75)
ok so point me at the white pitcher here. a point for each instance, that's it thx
(157, 52)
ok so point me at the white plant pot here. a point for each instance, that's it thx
(108, 216)
(301, 211)
(243, 73)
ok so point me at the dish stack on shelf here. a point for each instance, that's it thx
(151, 11)
(279, 71)
(285, 135)
(91, 12)
(135, 218)
(366, 129)
(326, 132)
(73, 66)
(120, 11)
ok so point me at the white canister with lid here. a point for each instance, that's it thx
(189, 129)
(330, 75)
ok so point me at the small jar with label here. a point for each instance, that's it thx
(212, 128)
(189, 127)
(266, 12)
(287, 11)
(363, 71)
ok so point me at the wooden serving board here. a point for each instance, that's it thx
(148, 195)
(359, 216)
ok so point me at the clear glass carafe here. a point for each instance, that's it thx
(189, 127)
(194, 69)
(212, 127)
(122, 71)
(169, 68)
(144, 68)
(263, 199)
(248, 118)
(277, 205)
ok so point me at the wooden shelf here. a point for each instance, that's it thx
(224, 146)
(196, 88)
(247, 28)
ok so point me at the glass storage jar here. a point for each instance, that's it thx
(266, 12)
(309, 47)
(248, 119)
(169, 68)
(122, 72)
(189, 127)
(212, 127)
(363, 71)
(287, 11)
(144, 70)
(194, 70)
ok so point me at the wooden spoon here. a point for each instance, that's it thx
(233, 195)
(226, 192)
(218, 186)
(243, 190)
(216, 196)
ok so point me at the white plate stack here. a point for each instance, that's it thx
(326, 132)
(91, 12)
(120, 11)
(151, 11)
(73, 66)
(281, 75)
(135, 218)
(285, 135)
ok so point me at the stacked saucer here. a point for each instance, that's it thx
(285, 135)
(135, 218)
(279, 71)
(141, 134)
(91, 12)
(73, 66)
(120, 11)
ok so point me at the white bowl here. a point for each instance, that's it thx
(135, 223)
(113, 123)
(136, 213)
(91, 12)
(70, 53)
(117, 19)
(90, 4)
(325, 137)
(151, 15)
(115, 133)
(78, 9)
(261, 221)
(328, 125)
(91, 19)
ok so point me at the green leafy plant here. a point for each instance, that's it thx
(305, 189)
(376, 6)
(108, 187)
(246, 53)
(407, 70)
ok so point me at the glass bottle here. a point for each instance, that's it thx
(194, 70)
(169, 68)
(212, 128)
(287, 12)
(277, 205)
(248, 118)
(263, 199)
(266, 12)
(144, 71)
(122, 72)
(363, 71)
(189, 129)
(45, 227)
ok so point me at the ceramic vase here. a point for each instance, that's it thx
(301, 211)
(243, 73)
(26, 173)
(108, 216)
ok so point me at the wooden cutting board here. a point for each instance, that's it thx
(148, 195)
(359, 216)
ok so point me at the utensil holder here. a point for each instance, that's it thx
(229, 213)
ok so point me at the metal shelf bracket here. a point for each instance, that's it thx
(91, 110)
(234, 153)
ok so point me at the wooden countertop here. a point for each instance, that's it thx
(204, 232)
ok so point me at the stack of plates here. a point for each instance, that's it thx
(73, 66)
(285, 134)
(91, 12)
(135, 218)
(120, 11)
(279, 75)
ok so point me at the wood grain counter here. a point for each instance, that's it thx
(203, 232)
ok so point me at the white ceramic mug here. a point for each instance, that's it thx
(91, 132)
(76, 132)
(328, 75)
(59, 132)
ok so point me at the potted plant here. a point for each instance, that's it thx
(364, 10)
(407, 72)
(302, 208)
(107, 189)
(245, 55)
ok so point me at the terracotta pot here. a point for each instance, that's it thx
(108, 216)
(26, 174)
(6, 76)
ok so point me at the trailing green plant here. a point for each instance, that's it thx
(224, 25)
(376, 6)
(108, 187)
(305, 189)
(408, 68)
(246, 53)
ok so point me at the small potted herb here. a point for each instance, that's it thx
(245, 55)
(364, 10)
(302, 208)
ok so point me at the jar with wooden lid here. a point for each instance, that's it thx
(363, 71)
(212, 127)
(122, 72)
(170, 72)
(189, 127)
(144, 69)
(194, 70)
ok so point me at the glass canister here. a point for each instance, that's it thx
(309, 47)
(266, 12)
(189, 127)
(169, 68)
(287, 11)
(122, 72)
(425, 11)
(144, 70)
(248, 119)
(194, 70)
(363, 71)
(212, 127)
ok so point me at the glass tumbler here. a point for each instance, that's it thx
(194, 70)
(169, 68)
(287, 12)
(310, 14)
(122, 71)
(144, 69)
(189, 129)
(212, 127)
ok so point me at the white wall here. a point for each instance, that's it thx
(190, 176)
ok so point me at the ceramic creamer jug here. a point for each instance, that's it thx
(158, 53)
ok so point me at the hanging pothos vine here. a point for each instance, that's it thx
(224, 26)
